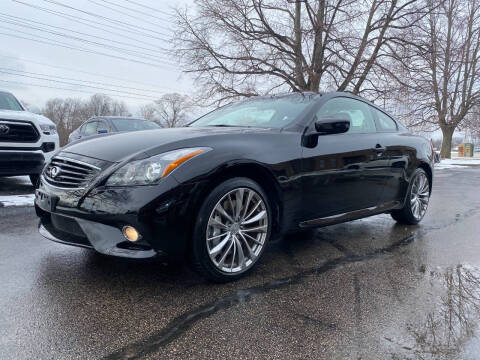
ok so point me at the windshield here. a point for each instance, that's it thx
(275, 112)
(8, 102)
(134, 124)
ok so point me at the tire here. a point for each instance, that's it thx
(35, 179)
(229, 239)
(416, 201)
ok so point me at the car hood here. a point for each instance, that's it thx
(118, 146)
(25, 116)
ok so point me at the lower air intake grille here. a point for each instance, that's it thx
(69, 173)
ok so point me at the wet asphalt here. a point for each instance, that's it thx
(368, 289)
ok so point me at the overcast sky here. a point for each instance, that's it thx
(132, 31)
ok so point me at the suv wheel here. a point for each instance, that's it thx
(232, 230)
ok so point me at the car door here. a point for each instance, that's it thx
(342, 172)
(396, 156)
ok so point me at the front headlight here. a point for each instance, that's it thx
(151, 170)
(48, 129)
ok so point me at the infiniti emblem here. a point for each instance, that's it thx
(53, 171)
(4, 129)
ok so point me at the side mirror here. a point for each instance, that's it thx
(332, 125)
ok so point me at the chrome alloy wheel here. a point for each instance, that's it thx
(419, 196)
(237, 230)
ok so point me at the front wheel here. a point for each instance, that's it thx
(416, 203)
(232, 230)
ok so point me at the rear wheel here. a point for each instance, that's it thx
(416, 203)
(232, 230)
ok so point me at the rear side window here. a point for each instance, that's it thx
(359, 114)
(385, 122)
(90, 128)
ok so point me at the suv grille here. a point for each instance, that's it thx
(11, 131)
(69, 173)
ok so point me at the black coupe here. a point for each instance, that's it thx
(221, 188)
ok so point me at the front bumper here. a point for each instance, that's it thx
(105, 239)
(13, 163)
(161, 213)
(27, 158)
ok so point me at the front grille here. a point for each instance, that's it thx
(69, 173)
(22, 132)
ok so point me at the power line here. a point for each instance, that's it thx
(135, 53)
(104, 17)
(81, 20)
(78, 80)
(127, 14)
(64, 45)
(62, 88)
(148, 7)
(25, 20)
(138, 11)
(76, 47)
(84, 72)
(82, 85)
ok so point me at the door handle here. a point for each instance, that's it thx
(379, 148)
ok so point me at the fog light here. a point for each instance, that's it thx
(131, 234)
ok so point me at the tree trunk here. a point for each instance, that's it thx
(445, 152)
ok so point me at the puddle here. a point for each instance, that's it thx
(449, 329)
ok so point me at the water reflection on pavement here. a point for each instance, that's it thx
(369, 289)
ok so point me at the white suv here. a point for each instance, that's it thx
(27, 140)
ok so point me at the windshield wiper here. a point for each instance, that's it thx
(221, 125)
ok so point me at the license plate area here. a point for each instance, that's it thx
(45, 201)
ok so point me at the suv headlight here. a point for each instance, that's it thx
(152, 169)
(48, 129)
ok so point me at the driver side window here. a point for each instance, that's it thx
(361, 120)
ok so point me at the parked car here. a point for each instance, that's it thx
(219, 189)
(27, 140)
(110, 124)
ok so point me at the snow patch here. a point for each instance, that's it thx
(17, 200)
(460, 161)
(456, 163)
(447, 166)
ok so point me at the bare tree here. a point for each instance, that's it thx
(242, 48)
(147, 111)
(171, 110)
(439, 56)
(471, 124)
(68, 114)
(103, 105)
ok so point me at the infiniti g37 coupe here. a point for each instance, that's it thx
(219, 189)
